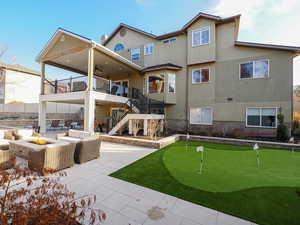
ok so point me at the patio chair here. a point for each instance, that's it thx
(52, 159)
(87, 147)
(7, 158)
(54, 124)
(68, 123)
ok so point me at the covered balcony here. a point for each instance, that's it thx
(101, 75)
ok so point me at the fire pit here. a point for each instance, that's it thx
(40, 142)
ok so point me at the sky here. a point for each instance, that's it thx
(26, 26)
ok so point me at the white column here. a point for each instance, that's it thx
(89, 112)
(130, 126)
(42, 78)
(145, 127)
(90, 69)
(42, 117)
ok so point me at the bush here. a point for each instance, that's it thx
(26, 198)
(282, 131)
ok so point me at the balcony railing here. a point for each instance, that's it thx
(80, 83)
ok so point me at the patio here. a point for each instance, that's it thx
(127, 203)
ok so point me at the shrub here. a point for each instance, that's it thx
(36, 200)
(282, 131)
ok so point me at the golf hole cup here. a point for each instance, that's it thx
(200, 149)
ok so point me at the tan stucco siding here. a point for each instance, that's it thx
(65, 43)
(202, 92)
(202, 53)
(277, 87)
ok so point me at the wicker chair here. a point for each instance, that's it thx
(52, 159)
(7, 158)
(87, 148)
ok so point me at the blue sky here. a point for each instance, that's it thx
(26, 26)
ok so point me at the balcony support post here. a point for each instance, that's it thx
(91, 68)
(89, 112)
(43, 65)
(42, 117)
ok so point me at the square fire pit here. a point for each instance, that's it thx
(21, 148)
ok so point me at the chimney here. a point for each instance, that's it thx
(103, 38)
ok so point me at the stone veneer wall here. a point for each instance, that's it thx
(220, 129)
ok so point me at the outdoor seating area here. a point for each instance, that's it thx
(47, 154)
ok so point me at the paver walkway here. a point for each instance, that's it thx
(126, 203)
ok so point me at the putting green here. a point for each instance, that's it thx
(230, 168)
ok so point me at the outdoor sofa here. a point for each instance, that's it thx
(52, 158)
(87, 146)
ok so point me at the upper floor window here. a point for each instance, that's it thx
(200, 75)
(156, 83)
(255, 69)
(201, 36)
(171, 82)
(261, 117)
(135, 54)
(170, 40)
(119, 47)
(148, 49)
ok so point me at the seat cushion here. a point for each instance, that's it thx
(4, 142)
(70, 139)
(25, 133)
(2, 134)
(78, 133)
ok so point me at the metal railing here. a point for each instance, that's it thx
(80, 83)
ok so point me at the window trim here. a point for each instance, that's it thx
(260, 110)
(201, 29)
(169, 40)
(145, 46)
(254, 78)
(139, 54)
(212, 115)
(119, 44)
(209, 80)
(168, 84)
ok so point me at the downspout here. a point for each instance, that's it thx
(187, 87)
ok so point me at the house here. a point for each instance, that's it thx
(14, 82)
(199, 79)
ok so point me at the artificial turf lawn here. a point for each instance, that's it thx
(226, 185)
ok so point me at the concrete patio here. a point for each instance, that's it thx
(126, 203)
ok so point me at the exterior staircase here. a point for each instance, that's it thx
(143, 108)
(132, 116)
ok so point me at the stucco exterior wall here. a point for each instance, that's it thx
(225, 93)
(202, 53)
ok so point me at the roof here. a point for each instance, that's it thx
(166, 66)
(97, 46)
(218, 19)
(268, 46)
(19, 68)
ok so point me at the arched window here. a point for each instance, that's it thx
(119, 47)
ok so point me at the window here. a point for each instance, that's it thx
(171, 83)
(135, 54)
(201, 116)
(156, 83)
(200, 75)
(120, 88)
(173, 39)
(201, 37)
(148, 49)
(255, 69)
(261, 117)
(119, 47)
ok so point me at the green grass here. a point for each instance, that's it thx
(230, 182)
